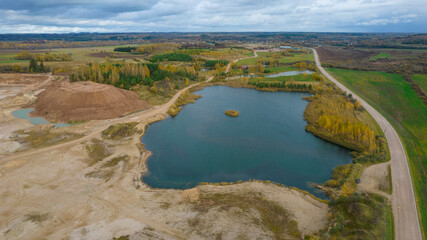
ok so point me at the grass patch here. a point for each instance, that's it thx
(361, 216)
(272, 216)
(116, 160)
(126, 237)
(102, 174)
(185, 98)
(386, 184)
(296, 78)
(247, 61)
(390, 223)
(97, 151)
(394, 98)
(151, 97)
(43, 137)
(421, 80)
(381, 55)
(119, 131)
(280, 69)
(36, 217)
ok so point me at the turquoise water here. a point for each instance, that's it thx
(23, 113)
(267, 141)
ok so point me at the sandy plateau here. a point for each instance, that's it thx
(55, 192)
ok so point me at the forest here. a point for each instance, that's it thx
(213, 63)
(333, 117)
(128, 75)
(171, 57)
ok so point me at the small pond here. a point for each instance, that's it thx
(267, 141)
(24, 114)
(288, 73)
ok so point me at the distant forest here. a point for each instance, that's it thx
(205, 40)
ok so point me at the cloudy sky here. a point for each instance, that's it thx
(59, 16)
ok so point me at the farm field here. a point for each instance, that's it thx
(394, 98)
(79, 55)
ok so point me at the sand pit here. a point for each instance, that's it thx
(64, 101)
(22, 79)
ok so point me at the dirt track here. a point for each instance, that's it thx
(405, 213)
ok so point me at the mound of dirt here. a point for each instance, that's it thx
(64, 101)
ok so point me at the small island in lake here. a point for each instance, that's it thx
(232, 113)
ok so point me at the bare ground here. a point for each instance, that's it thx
(375, 179)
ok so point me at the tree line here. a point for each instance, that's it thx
(124, 49)
(281, 85)
(332, 116)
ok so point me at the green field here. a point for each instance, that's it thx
(421, 80)
(247, 61)
(394, 98)
(380, 55)
(7, 58)
(298, 58)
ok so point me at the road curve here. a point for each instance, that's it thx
(406, 221)
(236, 60)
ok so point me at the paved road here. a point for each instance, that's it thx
(407, 226)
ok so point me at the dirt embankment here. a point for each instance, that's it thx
(65, 101)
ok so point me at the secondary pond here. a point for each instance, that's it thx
(24, 114)
(267, 141)
(288, 73)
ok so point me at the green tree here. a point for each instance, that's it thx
(33, 65)
(41, 67)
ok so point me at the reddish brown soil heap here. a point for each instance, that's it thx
(64, 101)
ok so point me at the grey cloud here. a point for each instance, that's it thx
(205, 15)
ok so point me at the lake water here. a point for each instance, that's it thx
(24, 114)
(267, 141)
(288, 73)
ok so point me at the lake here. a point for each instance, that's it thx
(267, 141)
